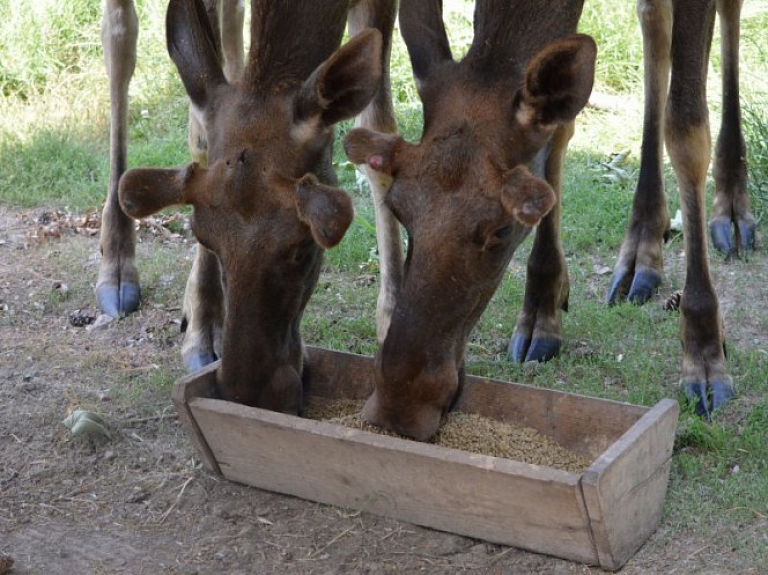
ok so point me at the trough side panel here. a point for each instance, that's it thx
(537, 509)
(582, 424)
(335, 374)
(201, 383)
(624, 489)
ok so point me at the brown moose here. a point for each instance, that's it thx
(420, 364)
(487, 169)
(265, 205)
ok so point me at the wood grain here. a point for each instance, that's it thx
(600, 517)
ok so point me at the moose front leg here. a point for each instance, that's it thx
(204, 309)
(704, 377)
(117, 286)
(380, 116)
(204, 301)
(538, 333)
(639, 268)
(732, 226)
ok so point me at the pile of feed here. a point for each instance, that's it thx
(465, 431)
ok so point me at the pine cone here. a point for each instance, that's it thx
(672, 303)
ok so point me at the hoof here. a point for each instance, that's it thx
(709, 398)
(644, 286)
(196, 361)
(543, 349)
(722, 392)
(522, 349)
(118, 300)
(518, 346)
(747, 233)
(697, 393)
(618, 287)
(720, 232)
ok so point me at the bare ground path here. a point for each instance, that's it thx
(137, 502)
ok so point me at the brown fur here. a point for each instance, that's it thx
(265, 201)
(465, 193)
(677, 35)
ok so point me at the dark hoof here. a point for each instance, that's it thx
(198, 361)
(618, 287)
(522, 349)
(518, 347)
(697, 393)
(644, 286)
(722, 392)
(747, 233)
(721, 234)
(118, 301)
(709, 398)
(543, 349)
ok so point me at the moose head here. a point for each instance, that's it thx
(266, 203)
(469, 192)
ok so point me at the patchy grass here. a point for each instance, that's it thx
(54, 153)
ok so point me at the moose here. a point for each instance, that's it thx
(264, 195)
(487, 170)
(489, 167)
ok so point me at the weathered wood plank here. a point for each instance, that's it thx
(624, 488)
(498, 500)
(599, 517)
(201, 383)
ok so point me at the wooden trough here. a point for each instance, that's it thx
(599, 517)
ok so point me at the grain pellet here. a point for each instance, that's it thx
(468, 432)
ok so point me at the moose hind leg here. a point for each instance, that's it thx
(117, 286)
(732, 226)
(704, 376)
(639, 268)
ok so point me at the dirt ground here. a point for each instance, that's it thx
(138, 501)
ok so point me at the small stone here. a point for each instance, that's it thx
(454, 544)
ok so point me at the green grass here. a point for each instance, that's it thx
(54, 153)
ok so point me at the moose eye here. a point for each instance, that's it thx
(489, 239)
(502, 232)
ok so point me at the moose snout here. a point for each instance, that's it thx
(413, 407)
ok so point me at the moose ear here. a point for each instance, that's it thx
(343, 85)
(374, 149)
(145, 191)
(422, 28)
(526, 197)
(326, 210)
(558, 81)
(192, 48)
